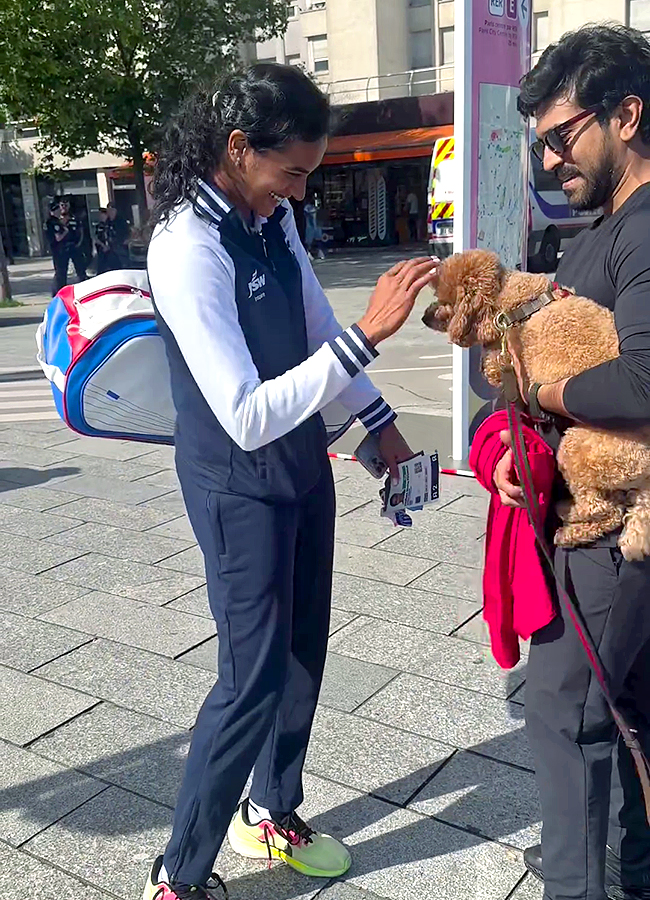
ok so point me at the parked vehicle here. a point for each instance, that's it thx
(551, 221)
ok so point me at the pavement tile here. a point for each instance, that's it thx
(106, 449)
(348, 682)
(401, 858)
(453, 581)
(362, 486)
(400, 855)
(176, 528)
(26, 874)
(443, 537)
(486, 797)
(339, 618)
(378, 564)
(25, 436)
(131, 622)
(468, 505)
(90, 509)
(36, 792)
(32, 556)
(460, 718)
(190, 561)
(31, 595)
(32, 456)
(171, 503)
(32, 524)
(165, 478)
(130, 831)
(529, 889)
(39, 499)
(31, 706)
(340, 890)
(362, 531)
(124, 748)
(419, 608)
(204, 656)
(127, 471)
(162, 456)
(370, 756)
(419, 652)
(475, 630)
(27, 643)
(125, 544)
(135, 679)
(195, 602)
(109, 489)
(460, 485)
(151, 584)
(345, 504)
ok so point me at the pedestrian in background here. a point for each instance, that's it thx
(102, 245)
(590, 96)
(118, 235)
(255, 353)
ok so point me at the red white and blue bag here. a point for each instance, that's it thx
(100, 348)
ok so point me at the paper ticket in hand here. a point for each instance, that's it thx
(418, 484)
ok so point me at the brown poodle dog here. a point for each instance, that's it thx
(608, 473)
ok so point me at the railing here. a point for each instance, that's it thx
(436, 80)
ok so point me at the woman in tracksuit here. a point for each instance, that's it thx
(255, 352)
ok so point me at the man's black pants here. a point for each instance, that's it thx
(589, 791)
(269, 575)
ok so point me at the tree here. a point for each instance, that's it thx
(106, 76)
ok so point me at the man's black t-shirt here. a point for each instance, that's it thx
(75, 232)
(610, 263)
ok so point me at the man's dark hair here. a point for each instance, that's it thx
(596, 64)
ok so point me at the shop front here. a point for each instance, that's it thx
(371, 189)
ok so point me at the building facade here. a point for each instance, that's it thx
(361, 52)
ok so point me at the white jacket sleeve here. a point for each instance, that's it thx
(360, 397)
(193, 285)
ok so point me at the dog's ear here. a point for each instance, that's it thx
(467, 288)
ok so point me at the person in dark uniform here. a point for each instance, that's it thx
(255, 353)
(118, 235)
(74, 240)
(102, 244)
(57, 231)
(590, 95)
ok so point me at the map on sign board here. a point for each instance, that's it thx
(501, 173)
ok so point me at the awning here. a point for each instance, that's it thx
(405, 144)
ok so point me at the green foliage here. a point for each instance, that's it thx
(106, 76)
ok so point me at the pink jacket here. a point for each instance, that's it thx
(516, 598)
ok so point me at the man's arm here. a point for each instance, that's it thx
(616, 394)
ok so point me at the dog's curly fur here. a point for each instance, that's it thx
(608, 473)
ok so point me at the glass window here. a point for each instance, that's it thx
(421, 49)
(446, 46)
(419, 2)
(293, 10)
(293, 59)
(540, 31)
(318, 54)
(638, 12)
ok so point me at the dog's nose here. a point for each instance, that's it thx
(429, 316)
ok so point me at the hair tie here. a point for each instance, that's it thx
(215, 97)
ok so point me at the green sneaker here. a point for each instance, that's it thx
(290, 840)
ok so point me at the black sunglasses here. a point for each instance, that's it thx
(556, 138)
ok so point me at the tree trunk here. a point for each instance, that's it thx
(138, 172)
(5, 287)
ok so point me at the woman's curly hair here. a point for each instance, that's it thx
(272, 104)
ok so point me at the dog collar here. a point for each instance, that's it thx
(521, 313)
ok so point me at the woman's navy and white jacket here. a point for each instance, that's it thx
(254, 349)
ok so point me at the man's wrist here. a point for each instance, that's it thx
(550, 397)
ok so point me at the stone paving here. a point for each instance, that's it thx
(418, 758)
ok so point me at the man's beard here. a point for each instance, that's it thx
(597, 182)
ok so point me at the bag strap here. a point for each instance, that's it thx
(522, 465)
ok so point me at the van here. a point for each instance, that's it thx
(551, 221)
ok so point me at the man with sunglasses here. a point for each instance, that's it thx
(590, 96)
